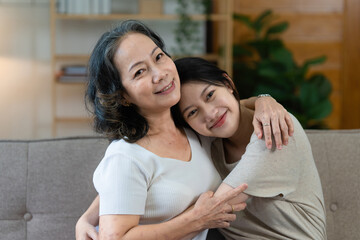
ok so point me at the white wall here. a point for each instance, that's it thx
(25, 96)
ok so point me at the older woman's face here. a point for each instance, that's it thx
(148, 74)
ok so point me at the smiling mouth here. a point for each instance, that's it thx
(220, 121)
(166, 88)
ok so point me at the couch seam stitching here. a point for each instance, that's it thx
(331, 180)
(27, 185)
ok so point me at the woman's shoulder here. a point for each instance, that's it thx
(118, 147)
(120, 152)
(121, 157)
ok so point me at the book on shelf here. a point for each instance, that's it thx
(74, 70)
(83, 6)
(72, 78)
(72, 73)
(61, 6)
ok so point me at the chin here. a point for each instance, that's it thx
(174, 101)
(226, 133)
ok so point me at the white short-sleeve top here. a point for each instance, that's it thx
(133, 180)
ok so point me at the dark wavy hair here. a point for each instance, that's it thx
(194, 69)
(105, 89)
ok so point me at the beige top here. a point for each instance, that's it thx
(286, 197)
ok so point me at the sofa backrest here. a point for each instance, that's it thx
(337, 157)
(46, 185)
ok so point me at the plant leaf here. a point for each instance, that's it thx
(240, 51)
(259, 22)
(268, 69)
(278, 28)
(244, 19)
(283, 56)
(305, 67)
(320, 110)
(322, 84)
(316, 60)
(308, 95)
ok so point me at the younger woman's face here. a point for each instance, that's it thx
(148, 74)
(209, 109)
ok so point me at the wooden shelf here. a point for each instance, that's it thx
(60, 57)
(66, 57)
(72, 119)
(198, 17)
(69, 83)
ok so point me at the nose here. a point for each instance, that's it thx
(158, 74)
(209, 113)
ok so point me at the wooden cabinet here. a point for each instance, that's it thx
(69, 115)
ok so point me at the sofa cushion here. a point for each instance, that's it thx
(337, 156)
(13, 176)
(46, 185)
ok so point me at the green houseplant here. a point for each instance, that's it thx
(264, 65)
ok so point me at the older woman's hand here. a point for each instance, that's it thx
(212, 211)
(270, 117)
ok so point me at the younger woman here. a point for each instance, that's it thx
(285, 199)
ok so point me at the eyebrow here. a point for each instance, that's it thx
(140, 62)
(201, 94)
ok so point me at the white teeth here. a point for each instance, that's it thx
(167, 88)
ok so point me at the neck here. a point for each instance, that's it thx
(245, 129)
(161, 124)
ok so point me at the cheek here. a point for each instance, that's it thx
(197, 126)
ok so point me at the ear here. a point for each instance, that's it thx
(229, 84)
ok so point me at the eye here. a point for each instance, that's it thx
(160, 55)
(138, 72)
(191, 113)
(210, 94)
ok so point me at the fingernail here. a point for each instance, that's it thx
(279, 147)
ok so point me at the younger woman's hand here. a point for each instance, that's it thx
(85, 231)
(215, 211)
(270, 117)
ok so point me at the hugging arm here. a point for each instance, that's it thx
(85, 226)
(270, 117)
(209, 211)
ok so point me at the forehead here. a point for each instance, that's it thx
(132, 48)
(191, 92)
(133, 39)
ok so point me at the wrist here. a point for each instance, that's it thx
(192, 219)
(263, 95)
(90, 218)
(263, 98)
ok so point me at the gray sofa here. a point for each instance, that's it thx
(45, 185)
